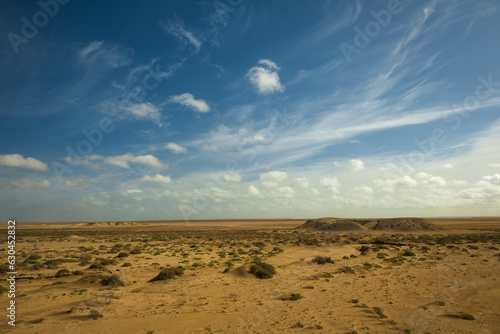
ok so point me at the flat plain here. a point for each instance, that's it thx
(255, 276)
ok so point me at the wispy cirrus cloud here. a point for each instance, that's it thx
(177, 29)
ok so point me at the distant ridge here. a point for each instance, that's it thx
(386, 224)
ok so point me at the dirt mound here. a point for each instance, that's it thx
(106, 224)
(241, 271)
(333, 224)
(405, 224)
(389, 224)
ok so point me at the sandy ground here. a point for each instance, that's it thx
(424, 282)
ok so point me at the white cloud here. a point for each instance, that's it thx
(270, 64)
(395, 184)
(431, 179)
(265, 78)
(276, 175)
(17, 160)
(487, 189)
(186, 37)
(92, 47)
(357, 165)
(124, 160)
(87, 160)
(176, 148)
(158, 178)
(104, 56)
(144, 110)
(496, 166)
(75, 181)
(269, 184)
(332, 183)
(253, 190)
(28, 183)
(286, 190)
(301, 182)
(189, 101)
(364, 189)
(448, 166)
(232, 177)
(459, 182)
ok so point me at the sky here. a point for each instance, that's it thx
(128, 110)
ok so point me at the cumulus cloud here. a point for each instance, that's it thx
(392, 185)
(176, 148)
(286, 190)
(431, 179)
(158, 178)
(232, 177)
(189, 101)
(252, 190)
(357, 165)
(28, 183)
(301, 182)
(269, 184)
(125, 160)
(17, 160)
(275, 175)
(265, 77)
(332, 183)
(486, 189)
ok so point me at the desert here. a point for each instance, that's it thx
(323, 275)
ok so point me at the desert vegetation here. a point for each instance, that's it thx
(257, 280)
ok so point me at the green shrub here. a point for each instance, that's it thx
(262, 270)
(378, 311)
(466, 316)
(408, 253)
(94, 314)
(4, 268)
(32, 258)
(136, 250)
(168, 273)
(63, 272)
(293, 297)
(97, 266)
(112, 281)
(364, 250)
(123, 254)
(107, 262)
(323, 259)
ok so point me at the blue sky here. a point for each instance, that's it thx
(123, 110)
